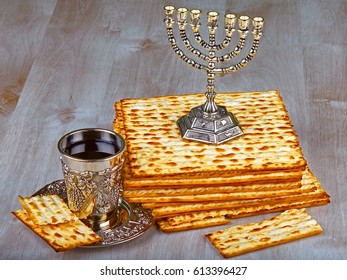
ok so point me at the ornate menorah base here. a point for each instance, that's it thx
(214, 128)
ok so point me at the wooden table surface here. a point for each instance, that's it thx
(64, 63)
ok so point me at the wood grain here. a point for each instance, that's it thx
(64, 63)
(23, 25)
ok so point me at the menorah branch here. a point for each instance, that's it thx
(257, 33)
(189, 46)
(180, 53)
(241, 43)
(229, 23)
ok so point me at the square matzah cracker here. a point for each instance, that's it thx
(48, 209)
(288, 226)
(156, 148)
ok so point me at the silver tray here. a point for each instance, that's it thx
(135, 220)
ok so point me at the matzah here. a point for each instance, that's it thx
(155, 147)
(175, 209)
(245, 211)
(183, 181)
(202, 178)
(288, 226)
(203, 189)
(215, 196)
(207, 222)
(49, 209)
(63, 236)
(309, 183)
(280, 176)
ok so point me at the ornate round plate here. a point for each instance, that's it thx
(135, 220)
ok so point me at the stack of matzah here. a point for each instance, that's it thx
(189, 184)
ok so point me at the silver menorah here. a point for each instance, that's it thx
(211, 123)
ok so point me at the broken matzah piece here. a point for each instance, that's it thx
(63, 236)
(48, 209)
(288, 226)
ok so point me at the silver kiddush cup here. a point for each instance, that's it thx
(92, 161)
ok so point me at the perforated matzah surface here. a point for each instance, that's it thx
(288, 226)
(155, 146)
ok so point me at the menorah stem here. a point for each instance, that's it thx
(210, 105)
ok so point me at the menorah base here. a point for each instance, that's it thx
(214, 128)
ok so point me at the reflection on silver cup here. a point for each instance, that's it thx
(92, 161)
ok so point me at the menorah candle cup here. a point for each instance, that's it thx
(243, 22)
(182, 14)
(212, 18)
(169, 14)
(195, 16)
(169, 10)
(258, 23)
(230, 21)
